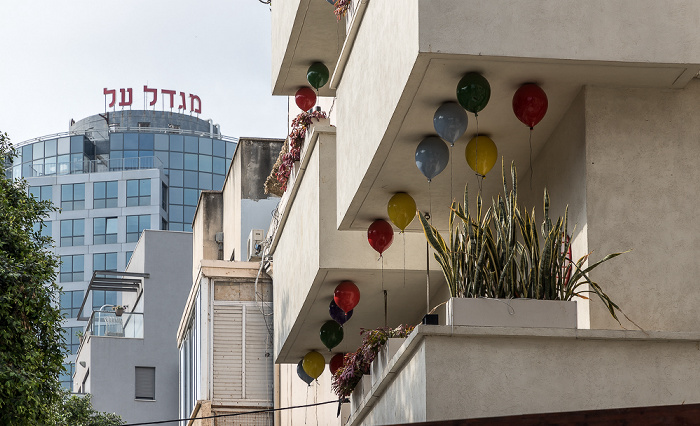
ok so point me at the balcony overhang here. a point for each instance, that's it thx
(123, 282)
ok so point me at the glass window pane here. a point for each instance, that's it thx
(131, 141)
(35, 191)
(99, 225)
(79, 227)
(144, 222)
(99, 189)
(219, 165)
(132, 224)
(176, 178)
(191, 144)
(76, 144)
(112, 225)
(112, 189)
(191, 179)
(217, 182)
(176, 195)
(38, 150)
(176, 160)
(219, 148)
(177, 143)
(78, 263)
(132, 188)
(161, 142)
(63, 146)
(230, 149)
(111, 261)
(191, 162)
(66, 263)
(146, 141)
(98, 262)
(79, 191)
(189, 214)
(205, 181)
(176, 214)
(205, 146)
(116, 142)
(66, 228)
(163, 157)
(205, 163)
(191, 196)
(27, 153)
(50, 147)
(145, 187)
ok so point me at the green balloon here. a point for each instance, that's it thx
(317, 75)
(473, 92)
(331, 334)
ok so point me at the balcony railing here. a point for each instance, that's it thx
(30, 169)
(108, 324)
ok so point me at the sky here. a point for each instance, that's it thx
(57, 56)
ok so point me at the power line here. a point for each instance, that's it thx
(269, 410)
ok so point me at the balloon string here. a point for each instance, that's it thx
(386, 310)
(452, 158)
(403, 235)
(430, 204)
(479, 176)
(532, 171)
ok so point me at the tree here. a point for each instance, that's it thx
(78, 411)
(31, 342)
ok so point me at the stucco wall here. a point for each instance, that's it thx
(293, 391)
(365, 103)
(642, 149)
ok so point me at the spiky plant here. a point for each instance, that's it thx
(497, 253)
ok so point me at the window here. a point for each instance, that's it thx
(45, 230)
(72, 232)
(128, 256)
(104, 230)
(138, 192)
(135, 225)
(72, 269)
(106, 194)
(73, 196)
(145, 383)
(70, 303)
(41, 193)
(144, 124)
(104, 262)
(102, 297)
(66, 377)
(164, 197)
(70, 335)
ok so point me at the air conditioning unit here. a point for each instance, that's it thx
(255, 239)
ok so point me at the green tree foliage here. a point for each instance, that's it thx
(31, 342)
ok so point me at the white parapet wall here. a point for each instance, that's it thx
(444, 372)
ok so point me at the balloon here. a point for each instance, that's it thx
(481, 154)
(473, 92)
(313, 364)
(432, 156)
(380, 233)
(401, 209)
(530, 104)
(302, 374)
(317, 75)
(450, 121)
(346, 296)
(331, 334)
(305, 98)
(336, 362)
(338, 314)
(332, 2)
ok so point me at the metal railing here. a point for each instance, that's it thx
(108, 324)
(90, 166)
(120, 129)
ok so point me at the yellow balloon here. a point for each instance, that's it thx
(313, 364)
(401, 209)
(481, 154)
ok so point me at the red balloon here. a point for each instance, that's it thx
(346, 296)
(380, 235)
(530, 104)
(336, 362)
(305, 98)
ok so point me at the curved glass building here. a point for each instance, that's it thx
(113, 175)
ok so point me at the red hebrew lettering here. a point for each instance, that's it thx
(197, 110)
(124, 102)
(169, 92)
(112, 92)
(155, 94)
(183, 105)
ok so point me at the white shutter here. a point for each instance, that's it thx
(258, 366)
(228, 353)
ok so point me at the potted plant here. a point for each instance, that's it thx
(119, 309)
(357, 365)
(498, 254)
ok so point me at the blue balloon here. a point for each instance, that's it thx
(338, 314)
(450, 121)
(432, 156)
(302, 374)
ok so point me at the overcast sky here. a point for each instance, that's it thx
(57, 56)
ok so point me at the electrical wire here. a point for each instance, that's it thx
(269, 410)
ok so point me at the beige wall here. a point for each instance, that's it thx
(642, 150)
(293, 391)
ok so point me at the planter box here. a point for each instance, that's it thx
(384, 356)
(360, 391)
(528, 313)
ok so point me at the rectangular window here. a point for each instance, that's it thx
(104, 230)
(70, 303)
(106, 194)
(73, 196)
(104, 262)
(66, 376)
(45, 230)
(164, 197)
(138, 192)
(145, 383)
(72, 232)
(101, 298)
(41, 193)
(135, 225)
(70, 335)
(72, 269)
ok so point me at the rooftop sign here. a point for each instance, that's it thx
(126, 98)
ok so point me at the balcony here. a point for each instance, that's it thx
(41, 168)
(106, 323)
